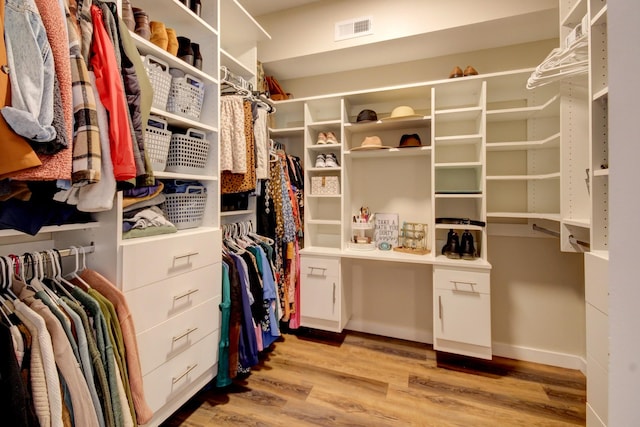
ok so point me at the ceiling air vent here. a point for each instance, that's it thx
(354, 28)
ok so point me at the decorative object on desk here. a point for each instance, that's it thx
(370, 143)
(386, 231)
(362, 227)
(412, 140)
(413, 238)
(402, 112)
(325, 185)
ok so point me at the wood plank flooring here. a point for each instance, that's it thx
(312, 378)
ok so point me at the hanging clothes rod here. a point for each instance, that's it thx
(572, 239)
(81, 250)
(545, 230)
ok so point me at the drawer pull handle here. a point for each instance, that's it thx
(184, 334)
(184, 374)
(440, 306)
(186, 294)
(188, 256)
(313, 269)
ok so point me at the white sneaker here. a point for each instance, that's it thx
(330, 161)
(321, 161)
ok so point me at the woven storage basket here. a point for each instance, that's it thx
(156, 141)
(188, 153)
(186, 96)
(186, 210)
(160, 78)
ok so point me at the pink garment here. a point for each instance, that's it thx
(119, 301)
(111, 90)
(55, 26)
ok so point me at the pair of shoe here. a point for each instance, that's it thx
(457, 72)
(455, 249)
(326, 138)
(327, 161)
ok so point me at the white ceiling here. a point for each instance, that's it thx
(264, 7)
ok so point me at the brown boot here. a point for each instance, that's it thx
(470, 71)
(172, 45)
(159, 35)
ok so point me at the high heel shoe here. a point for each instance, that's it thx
(457, 72)
(470, 71)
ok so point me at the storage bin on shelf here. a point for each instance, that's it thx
(186, 95)
(186, 209)
(160, 78)
(157, 139)
(188, 153)
(325, 185)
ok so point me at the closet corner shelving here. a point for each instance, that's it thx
(596, 262)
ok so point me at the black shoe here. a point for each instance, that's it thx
(467, 248)
(452, 248)
(185, 51)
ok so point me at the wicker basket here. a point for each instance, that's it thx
(156, 141)
(186, 96)
(188, 153)
(186, 210)
(160, 78)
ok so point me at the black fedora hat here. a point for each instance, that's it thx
(412, 140)
(367, 116)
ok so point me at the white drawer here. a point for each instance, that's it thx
(597, 335)
(175, 378)
(462, 280)
(178, 335)
(158, 302)
(598, 389)
(596, 272)
(157, 259)
(317, 266)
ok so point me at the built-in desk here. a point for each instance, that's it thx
(390, 293)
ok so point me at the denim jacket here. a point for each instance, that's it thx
(29, 57)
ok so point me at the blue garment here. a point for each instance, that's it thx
(270, 329)
(248, 346)
(31, 71)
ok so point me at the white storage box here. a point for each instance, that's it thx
(325, 185)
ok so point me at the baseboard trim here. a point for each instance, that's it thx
(545, 357)
(386, 330)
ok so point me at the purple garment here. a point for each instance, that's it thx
(141, 191)
(248, 346)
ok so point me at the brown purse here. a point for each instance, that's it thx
(275, 90)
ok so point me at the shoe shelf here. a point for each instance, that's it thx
(181, 18)
(389, 153)
(551, 142)
(324, 169)
(324, 147)
(548, 109)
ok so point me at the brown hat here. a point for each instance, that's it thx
(370, 143)
(412, 140)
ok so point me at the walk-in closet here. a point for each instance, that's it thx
(319, 212)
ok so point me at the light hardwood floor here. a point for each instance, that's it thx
(311, 378)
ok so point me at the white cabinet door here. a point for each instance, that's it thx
(320, 292)
(462, 311)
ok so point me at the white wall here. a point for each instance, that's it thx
(624, 152)
(308, 30)
(485, 61)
